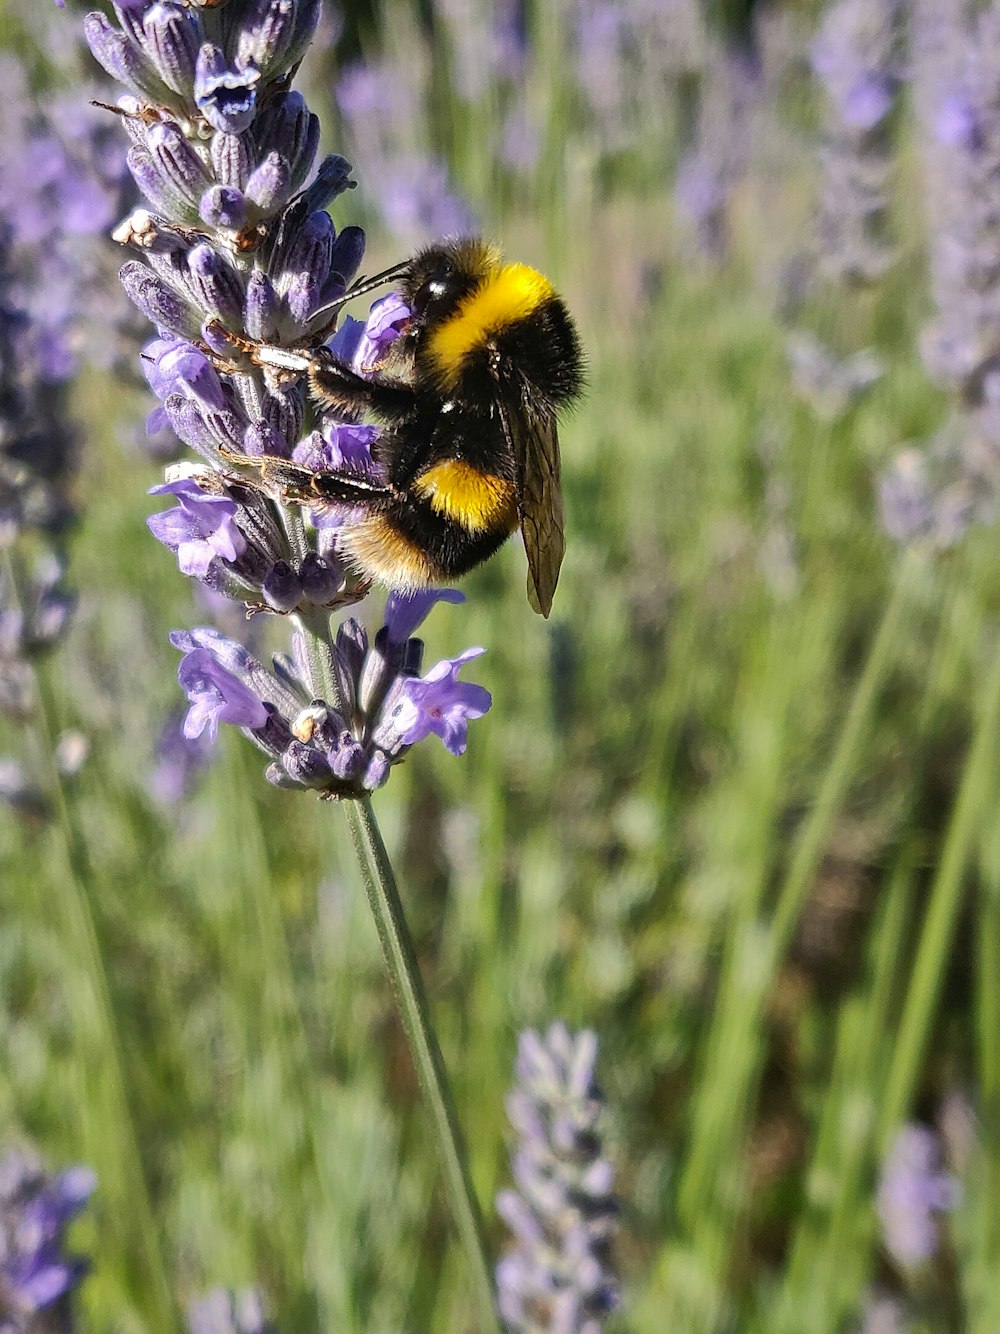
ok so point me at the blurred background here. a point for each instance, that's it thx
(735, 806)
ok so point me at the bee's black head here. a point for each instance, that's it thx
(439, 278)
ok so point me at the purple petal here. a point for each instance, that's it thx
(216, 696)
(439, 702)
(404, 612)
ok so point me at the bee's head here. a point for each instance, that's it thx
(439, 278)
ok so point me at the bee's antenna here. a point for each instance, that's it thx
(359, 288)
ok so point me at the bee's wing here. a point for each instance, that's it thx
(534, 442)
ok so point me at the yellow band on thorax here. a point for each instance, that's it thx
(477, 500)
(511, 293)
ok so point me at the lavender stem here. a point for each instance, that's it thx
(411, 1001)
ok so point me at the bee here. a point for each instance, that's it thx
(468, 403)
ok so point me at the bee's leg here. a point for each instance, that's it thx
(336, 385)
(343, 489)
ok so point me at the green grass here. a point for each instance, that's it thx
(741, 822)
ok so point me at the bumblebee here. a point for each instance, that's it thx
(468, 401)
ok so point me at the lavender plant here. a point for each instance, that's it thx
(884, 1315)
(558, 1276)
(855, 56)
(37, 1277)
(956, 96)
(379, 102)
(37, 458)
(235, 245)
(63, 181)
(711, 170)
(224, 1312)
(913, 1190)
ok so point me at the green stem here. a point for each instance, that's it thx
(81, 928)
(411, 1001)
(940, 920)
(830, 1245)
(726, 1095)
(319, 654)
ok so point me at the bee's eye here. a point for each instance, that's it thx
(429, 293)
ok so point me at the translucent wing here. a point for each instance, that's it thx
(534, 441)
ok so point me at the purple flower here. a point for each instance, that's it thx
(364, 344)
(717, 161)
(855, 57)
(200, 529)
(884, 1315)
(339, 447)
(563, 1214)
(179, 759)
(216, 696)
(406, 612)
(35, 1274)
(225, 95)
(913, 1189)
(957, 95)
(957, 123)
(440, 703)
(224, 1312)
(62, 181)
(175, 366)
(931, 496)
(224, 151)
(312, 744)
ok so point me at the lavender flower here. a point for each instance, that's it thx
(19, 793)
(488, 44)
(63, 179)
(382, 106)
(717, 161)
(930, 496)
(37, 1278)
(957, 91)
(387, 707)
(884, 1315)
(37, 457)
(179, 760)
(557, 1276)
(913, 1189)
(829, 385)
(854, 56)
(935, 496)
(222, 1311)
(236, 244)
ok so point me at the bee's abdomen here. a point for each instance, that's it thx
(477, 501)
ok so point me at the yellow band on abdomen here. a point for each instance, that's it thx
(477, 500)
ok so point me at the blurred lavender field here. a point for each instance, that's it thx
(732, 816)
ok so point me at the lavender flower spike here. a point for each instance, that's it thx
(912, 1190)
(36, 1277)
(557, 1277)
(386, 706)
(223, 1312)
(855, 57)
